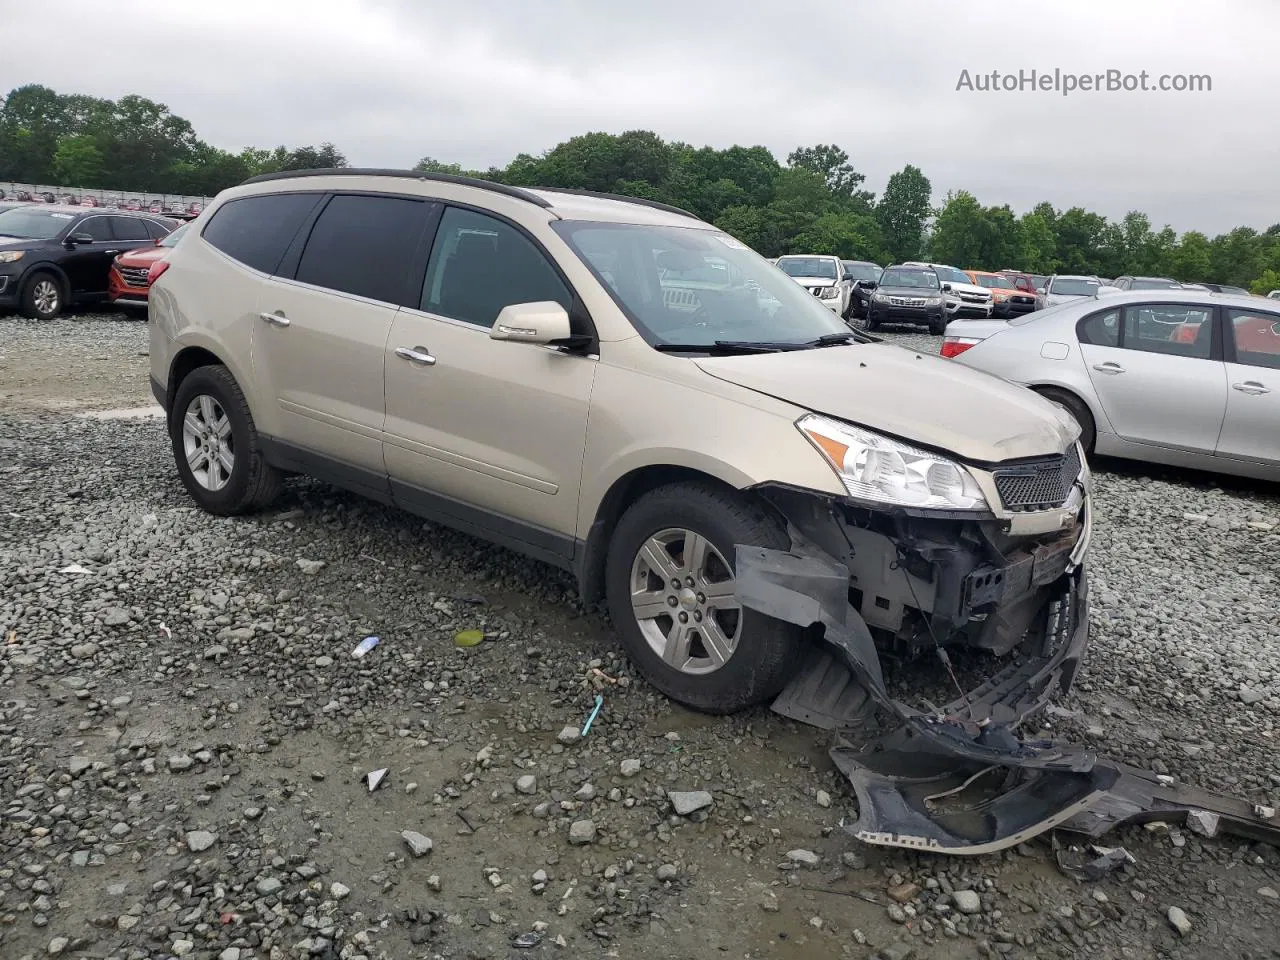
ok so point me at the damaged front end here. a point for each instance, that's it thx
(876, 583)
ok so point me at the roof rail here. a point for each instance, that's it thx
(617, 196)
(489, 185)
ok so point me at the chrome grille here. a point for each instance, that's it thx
(1042, 485)
(907, 301)
(975, 297)
(1022, 299)
(134, 276)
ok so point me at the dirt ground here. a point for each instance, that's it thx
(241, 660)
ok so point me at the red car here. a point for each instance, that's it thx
(132, 273)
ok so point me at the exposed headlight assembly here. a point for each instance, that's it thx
(873, 467)
(9, 256)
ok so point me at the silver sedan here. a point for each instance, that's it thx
(1179, 377)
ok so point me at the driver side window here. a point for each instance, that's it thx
(96, 227)
(480, 264)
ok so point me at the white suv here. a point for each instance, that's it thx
(824, 277)
(966, 299)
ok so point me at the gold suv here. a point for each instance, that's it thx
(617, 388)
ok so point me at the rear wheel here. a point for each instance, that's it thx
(1079, 412)
(42, 297)
(670, 586)
(216, 445)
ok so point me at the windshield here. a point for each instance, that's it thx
(808, 267)
(951, 274)
(684, 285)
(994, 283)
(917, 277)
(1153, 283)
(32, 223)
(172, 239)
(1071, 287)
(861, 271)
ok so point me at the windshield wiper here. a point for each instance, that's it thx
(725, 347)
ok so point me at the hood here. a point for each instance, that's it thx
(142, 256)
(918, 398)
(18, 243)
(966, 287)
(814, 281)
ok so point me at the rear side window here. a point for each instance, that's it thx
(156, 229)
(128, 228)
(1101, 329)
(1169, 328)
(1257, 338)
(96, 227)
(365, 246)
(258, 230)
(480, 264)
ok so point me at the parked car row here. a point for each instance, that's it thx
(53, 257)
(1163, 374)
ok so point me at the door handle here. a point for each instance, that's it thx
(279, 319)
(1108, 367)
(417, 355)
(1251, 387)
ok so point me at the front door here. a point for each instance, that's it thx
(489, 434)
(88, 264)
(1252, 427)
(1162, 382)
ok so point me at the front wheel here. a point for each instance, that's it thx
(938, 325)
(42, 297)
(670, 586)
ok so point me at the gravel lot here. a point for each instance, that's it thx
(186, 734)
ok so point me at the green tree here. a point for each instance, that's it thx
(1270, 280)
(78, 162)
(1037, 243)
(1190, 261)
(902, 212)
(832, 164)
(959, 231)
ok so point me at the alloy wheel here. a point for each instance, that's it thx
(682, 595)
(207, 442)
(45, 297)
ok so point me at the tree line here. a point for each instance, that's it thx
(814, 202)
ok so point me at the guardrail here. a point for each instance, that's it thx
(90, 197)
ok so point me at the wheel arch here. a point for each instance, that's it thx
(195, 354)
(621, 494)
(46, 266)
(1099, 417)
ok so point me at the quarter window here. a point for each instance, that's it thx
(1170, 328)
(258, 230)
(365, 245)
(1257, 338)
(480, 264)
(1101, 329)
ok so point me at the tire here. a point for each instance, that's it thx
(43, 297)
(214, 399)
(1076, 407)
(767, 651)
(871, 323)
(938, 327)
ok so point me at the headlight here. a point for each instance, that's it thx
(829, 293)
(9, 256)
(1001, 297)
(933, 301)
(873, 467)
(880, 298)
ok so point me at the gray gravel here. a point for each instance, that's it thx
(186, 734)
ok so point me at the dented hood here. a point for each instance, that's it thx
(909, 395)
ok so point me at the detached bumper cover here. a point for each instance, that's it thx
(958, 779)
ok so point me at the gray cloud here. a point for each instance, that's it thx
(392, 80)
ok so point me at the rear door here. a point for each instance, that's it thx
(1158, 373)
(322, 328)
(1252, 427)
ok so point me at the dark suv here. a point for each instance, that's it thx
(55, 256)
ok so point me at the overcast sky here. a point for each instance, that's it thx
(478, 81)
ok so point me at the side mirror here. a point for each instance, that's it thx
(946, 288)
(1040, 290)
(543, 322)
(78, 238)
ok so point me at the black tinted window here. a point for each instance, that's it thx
(155, 229)
(364, 246)
(480, 265)
(97, 227)
(258, 230)
(128, 228)
(1101, 329)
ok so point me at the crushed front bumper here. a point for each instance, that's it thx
(955, 779)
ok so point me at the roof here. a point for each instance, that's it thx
(1246, 301)
(808, 256)
(566, 203)
(77, 209)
